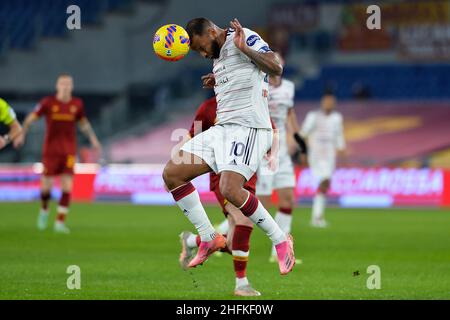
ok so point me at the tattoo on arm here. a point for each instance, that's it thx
(267, 62)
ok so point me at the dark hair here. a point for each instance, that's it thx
(197, 26)
(329, 91)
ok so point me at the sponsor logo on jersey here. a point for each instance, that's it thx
(252, 40)
(63, 117)
(264, 49)
(73, 109)
(224, 80)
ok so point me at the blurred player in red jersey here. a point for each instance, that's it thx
(240, 227)
(62, 112)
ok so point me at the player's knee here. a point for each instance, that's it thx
(169, 175)
(225, 190)
(324, 186)
(228, 190)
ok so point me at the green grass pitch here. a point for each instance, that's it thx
(131, 252)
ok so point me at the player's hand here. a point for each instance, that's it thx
(272, 160)
(2, 142)
(208, 81)
(19, 141)
(239, 36)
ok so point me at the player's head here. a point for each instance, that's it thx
(204, 34)
(64, 85)
(328, 101)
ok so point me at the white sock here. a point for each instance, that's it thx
(191, 241)
(223, 227)
(284, 221)
(241, 282)
(262, 218)
(43, 212)
(194, 211)
(318, 208)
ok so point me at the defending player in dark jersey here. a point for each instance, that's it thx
(62, 113)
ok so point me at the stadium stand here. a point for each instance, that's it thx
(131, 103)
(24, 21)
(411, 81)
(375, 131)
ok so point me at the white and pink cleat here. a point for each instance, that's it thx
(285, 253)
(206, 249)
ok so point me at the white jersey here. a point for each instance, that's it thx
(325, 135)
(281, 99)
(241, 88)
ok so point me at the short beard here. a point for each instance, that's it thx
(215, 49)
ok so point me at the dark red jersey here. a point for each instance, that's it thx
(61, 119)
(205, 117)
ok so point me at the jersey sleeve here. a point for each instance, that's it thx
(255, 42)
(308, 124)
(81, 114)
(41, 108)
(7, 114)
(340, 139)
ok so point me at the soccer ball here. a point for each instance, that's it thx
(171, 42)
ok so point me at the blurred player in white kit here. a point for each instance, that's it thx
(324, 131)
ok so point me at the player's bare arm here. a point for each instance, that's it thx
(86, 129)
(267, 62)
(292, 120)
(20, 139)
(293, 123)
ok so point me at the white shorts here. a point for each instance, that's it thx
(322, 169)
(231, 147)
(283, 177)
